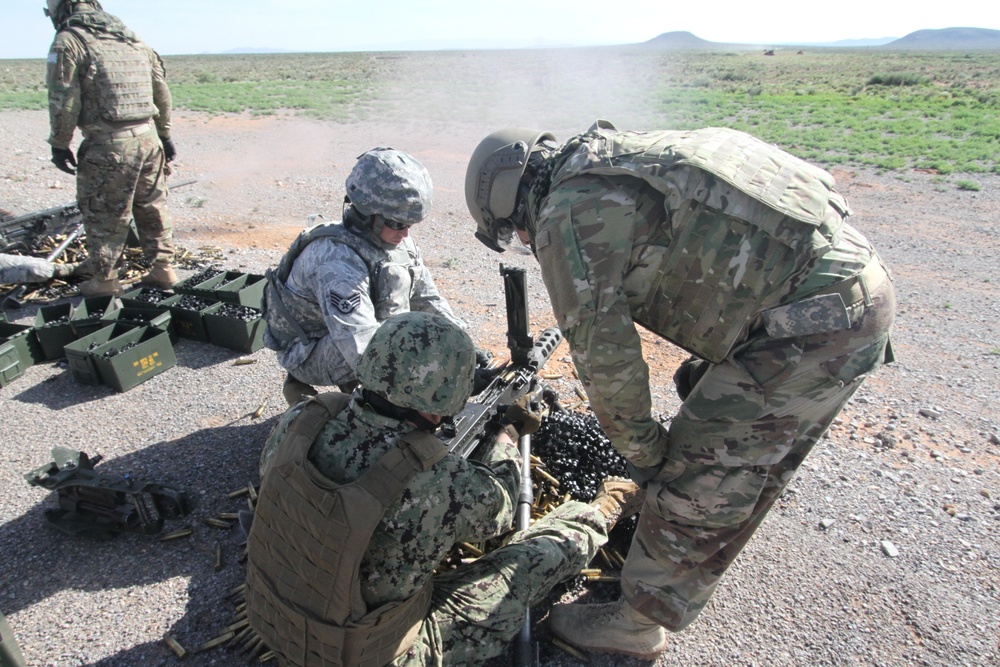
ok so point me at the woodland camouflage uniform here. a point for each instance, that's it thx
(739, 253)
(104, 80)
(474, 610)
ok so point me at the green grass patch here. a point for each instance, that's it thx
(889, 111)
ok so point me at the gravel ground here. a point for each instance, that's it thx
(884, 550)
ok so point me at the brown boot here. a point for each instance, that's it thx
(98, 287)
(614, 627)
(618, 498)
(161, 275)
(295, 390)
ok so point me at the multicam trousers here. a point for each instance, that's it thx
(740, 435)
(479, 608)
(119, 179)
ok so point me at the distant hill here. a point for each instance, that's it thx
(949, 39)
(681, 40)
(946, 39)
(254, 49)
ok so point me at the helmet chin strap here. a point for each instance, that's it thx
(386, 408)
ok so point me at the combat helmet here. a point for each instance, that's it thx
(59, 10)
(493, 181)
(390, 184)
(420, 361)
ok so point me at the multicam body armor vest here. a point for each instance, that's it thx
(291, 317)
(743, 217)
(305, 548)
(120, 88)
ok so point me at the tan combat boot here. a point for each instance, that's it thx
(160, 275)
(618, 498)
(613, 627)
(98, 287)
(295, 391)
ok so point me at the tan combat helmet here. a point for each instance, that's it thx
(493, 180)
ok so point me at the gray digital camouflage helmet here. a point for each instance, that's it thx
(420, 361)
(493, 179)
(391, 184)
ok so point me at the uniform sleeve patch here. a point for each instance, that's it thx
(345, 304)
(53, 58)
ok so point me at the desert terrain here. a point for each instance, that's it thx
(912, 462)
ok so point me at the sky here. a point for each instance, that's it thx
(175, 27)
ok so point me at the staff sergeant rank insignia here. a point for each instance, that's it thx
(345, 304)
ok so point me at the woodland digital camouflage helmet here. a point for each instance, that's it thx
(391, 184)
(493, 178)
(420, 361)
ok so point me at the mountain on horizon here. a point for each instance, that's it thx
(949, 39)
(945, 39)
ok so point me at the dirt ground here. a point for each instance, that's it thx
(929, 419)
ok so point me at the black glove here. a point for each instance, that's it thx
(642, 476)
(63, 158)
(169, 152)
(483, 378)
(483, 357)
(522, 415)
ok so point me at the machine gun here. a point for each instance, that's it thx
(482, 419)
(101, 505)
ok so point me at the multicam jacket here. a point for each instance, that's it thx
(98, 82)
(694, 235)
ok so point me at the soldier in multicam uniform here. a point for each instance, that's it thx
(731, 249)
(359, 503)
(103, 79)
(338, 280)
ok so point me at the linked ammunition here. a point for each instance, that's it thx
(239, 625)
(475, 551)
(566, 648)
(240, 636)
(177, 534)
(212, 643)
(175, 646)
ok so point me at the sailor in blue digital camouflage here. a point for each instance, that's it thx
(339, 280)
(103, 79)
(739, 253)
(360, 503)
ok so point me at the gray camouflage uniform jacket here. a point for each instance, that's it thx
(337, 301)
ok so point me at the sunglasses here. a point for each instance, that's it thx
(396, 226)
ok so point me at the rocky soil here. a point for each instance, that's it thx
(884, 550)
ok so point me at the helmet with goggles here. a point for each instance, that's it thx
(391, 185)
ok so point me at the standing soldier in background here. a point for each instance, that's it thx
(103, 79)
(339, 280)
(739, 253)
